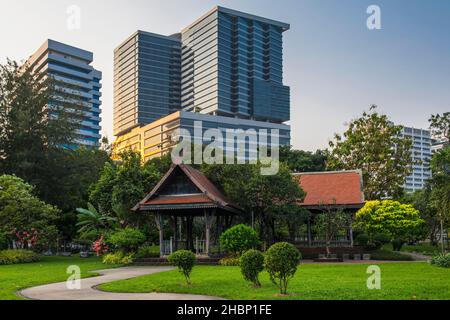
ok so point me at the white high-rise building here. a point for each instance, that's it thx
(421, 156)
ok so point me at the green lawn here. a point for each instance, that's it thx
(415, 280)
(50, 269)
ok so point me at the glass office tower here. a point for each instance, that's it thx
(232, 65)
(72, 71)
(146, 79)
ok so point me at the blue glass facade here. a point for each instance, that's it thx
(232, 65)
(73, 73)
(146, 79)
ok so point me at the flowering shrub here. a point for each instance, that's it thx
(26, 239)
(100, 247)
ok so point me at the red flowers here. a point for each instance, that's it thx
(100, 247)
(26, 239)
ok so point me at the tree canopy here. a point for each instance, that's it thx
(374, 145)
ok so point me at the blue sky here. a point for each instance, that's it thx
(335, 66)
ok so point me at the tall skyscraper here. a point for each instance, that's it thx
(72, 71)
(224, 70)
(146, 79)
(232, 65)
(421, 155)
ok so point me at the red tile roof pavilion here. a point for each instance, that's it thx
(334, 188)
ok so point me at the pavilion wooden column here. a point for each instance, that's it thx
(350, 229)
(309, 232)
(160, 226)
(175, 238)
(208, 224)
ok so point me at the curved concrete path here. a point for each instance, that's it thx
(88, 291)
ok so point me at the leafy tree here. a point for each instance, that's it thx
(122, 185)
(389, 217)
(329, 222)
(440, 126)
(264, 195)
(252, 263)
(35, 125)
(374, 145)
(21, 211)
(440, 193)
(303, 161)
(281, 262)
(185, 261)
(91, 223)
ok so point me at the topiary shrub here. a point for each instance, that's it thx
(380, 239)
(281, 263)
(397, 244)
(118, 258)
(362, 239)
(252, 263)
(18, 256)
(127, 240)
(184, 260)
(229, 262)
(239, 239)
(441, 260)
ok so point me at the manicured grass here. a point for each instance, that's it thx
(410, 280)
(48, 270)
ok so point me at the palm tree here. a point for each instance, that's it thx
(91, 221)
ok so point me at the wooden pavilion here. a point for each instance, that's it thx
(333, 190)
(183, 194)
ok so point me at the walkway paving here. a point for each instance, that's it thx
(88, 291)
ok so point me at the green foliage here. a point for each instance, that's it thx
(281, 261)
(229, 261)
(122, 185)
(118, 258)
(265, 195)
(21, 211)
(328, 223)
(91, 223)
(389, 217)
(440, 126)
(381, 239)
(367, 145)
(252, 263)
(148, 251)
(238, 239)
(362, 239)
(397, 244)
(127, 239)
(184, 260)
(441, 260)
(18, 256)
(303, 161)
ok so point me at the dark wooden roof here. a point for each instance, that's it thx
(208, 195)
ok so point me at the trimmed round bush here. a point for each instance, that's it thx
(381, 239)
(281, 263)
(128, 239)
(362, 239)
(441, 260)
(252, 263)
(397, 244)
(239, 239)
(184, 260)
(18, 256)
